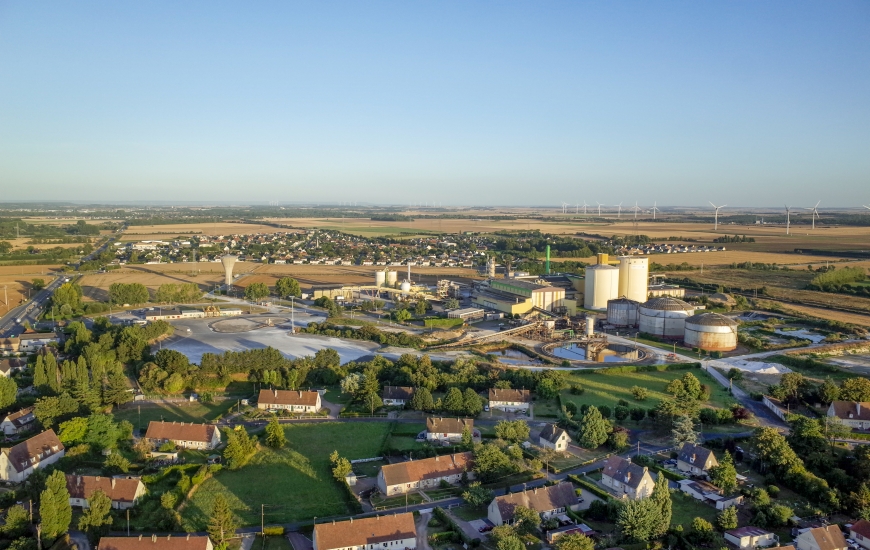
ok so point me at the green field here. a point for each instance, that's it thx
(608, 388)
(295, 483)
(172, 412)
(686, 508)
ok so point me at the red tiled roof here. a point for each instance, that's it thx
(117, 489)
(359, 532)
(45, 444)
(288, 397)
(180, 431)
(427, 468)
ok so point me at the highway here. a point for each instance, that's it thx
(27, 312)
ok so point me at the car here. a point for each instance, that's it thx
(486, 408)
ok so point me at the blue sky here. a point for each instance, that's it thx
(501, 103)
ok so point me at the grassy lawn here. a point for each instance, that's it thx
(469, 513)
(271, 543)
(370, 469)
(173, 412)
(395, 502)
(608, 388)
(300, 469)
(685, 509)
(334, 395)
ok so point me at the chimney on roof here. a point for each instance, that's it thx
(153, 538)
(351, 520)
(188, 536)
(140, 536)
(858, 407)
(276, 393)
(168, 537)
(113, 483)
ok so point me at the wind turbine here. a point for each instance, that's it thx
(787, 219)
(635, 208)
(619, 212)
(565, 206)
(716, 215)
(654, 210)
(584, 207)
(815, 213)
(599, 209)
(577, 208)
(865, 206)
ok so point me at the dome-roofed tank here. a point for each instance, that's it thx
(622, 312)
(711, 332)
(405, 286)
(664, 317)
(602, 284)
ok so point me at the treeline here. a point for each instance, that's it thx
(734, 239)
(837, 280)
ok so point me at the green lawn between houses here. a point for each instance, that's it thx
(172, 412)
(295, 482)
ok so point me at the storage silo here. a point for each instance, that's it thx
(602, 284)
(380, 278)
(711, 332)
(664, 317)
(392, 278)
(622, 312)
(405, 286)
(634, 277)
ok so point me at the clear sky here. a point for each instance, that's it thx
(502, 103)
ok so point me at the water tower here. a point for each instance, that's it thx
(228, 262)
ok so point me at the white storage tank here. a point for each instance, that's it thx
(664, 317)
(711, 332)
(602, 284)
(405, 287)
(622, 312)
(392, 278)
(380, 278)
(634, 277)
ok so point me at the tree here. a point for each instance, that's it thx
(401, 315)
(48, 410)
(855, 389)
(472, 404)
(255, 292)
(239, 448)
(67, 294)
(372, 401)
(8, 392)
(341, 467)
(684, 431)
(727, 519)
(724, 475)
(512, 430)
(828, 391)
(491, 463)
(451, 303)
(103, 432)
(420, 308)
(618, 439)
(222, 525)
(467, 438)
(477, 495)
(574, 541)
(510, 542)
(620, 413)
(594, 429)
(117, 463)
(351, 383)
(174, 384)
(526, 520)
(662, 498)
(17, 521)
(702, 531)
(792, 384)
(54, 507)
(275, 436)
(96, 518)
(639, 393)
(116, 391)
(454, 401)
(37, 284)
(422, 400)
(286, 287)
(774, 451)
(639, 520)
(638, 413)
(73, 431)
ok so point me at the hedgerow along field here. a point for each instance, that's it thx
(295, 482)
(607, 388)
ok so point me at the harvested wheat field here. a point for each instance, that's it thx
(158, 232)
(833, 315)
(15, 281)
(95, 286)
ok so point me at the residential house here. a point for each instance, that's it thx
(509, 400)
(855, 414)
(709, 493)
(404, 477)
(396, 532)
(860, 533)
(447, 429)
(155, 542)
(32, 341)
(750, 537)
(8, 366)
(289, 400)
(9, 345)
(18, 462)
(821, 538)
(547, 501)
(397, 396)
(553, 437)
(695, 460)
(16, 422)
(185, 435)
(124, 492)
(626, 479)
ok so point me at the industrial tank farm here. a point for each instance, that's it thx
(634, 277)
(711, 332)
(664, 317)
(602, 284)
(622, 312)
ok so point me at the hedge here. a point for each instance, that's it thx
(274, 530)
(644, 368)
(447, 520)
(445, 536)
(591, 487)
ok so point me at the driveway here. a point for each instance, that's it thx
(80, 540)
(423, 531)
(299, 542)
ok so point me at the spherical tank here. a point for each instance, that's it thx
(664, 317)
(634, 277)
(602, 284)
(622, 312)
(405, 286)
(380, 278)
(392, 278)
(711, 332)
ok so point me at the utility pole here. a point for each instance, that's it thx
(262, 520)
(128, 522)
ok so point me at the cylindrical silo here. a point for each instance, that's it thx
(711, 332)
(405, 286)
(634, 277)
(590, 326)
(622, 312)
(602, 284)
(380, 278)
(392, 278)
(664, 317)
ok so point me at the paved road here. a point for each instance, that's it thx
(423, 531)
(27, 312)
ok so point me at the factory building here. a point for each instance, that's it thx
(664, 317)
(622, 312)
(711, 332)
(515, 296)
